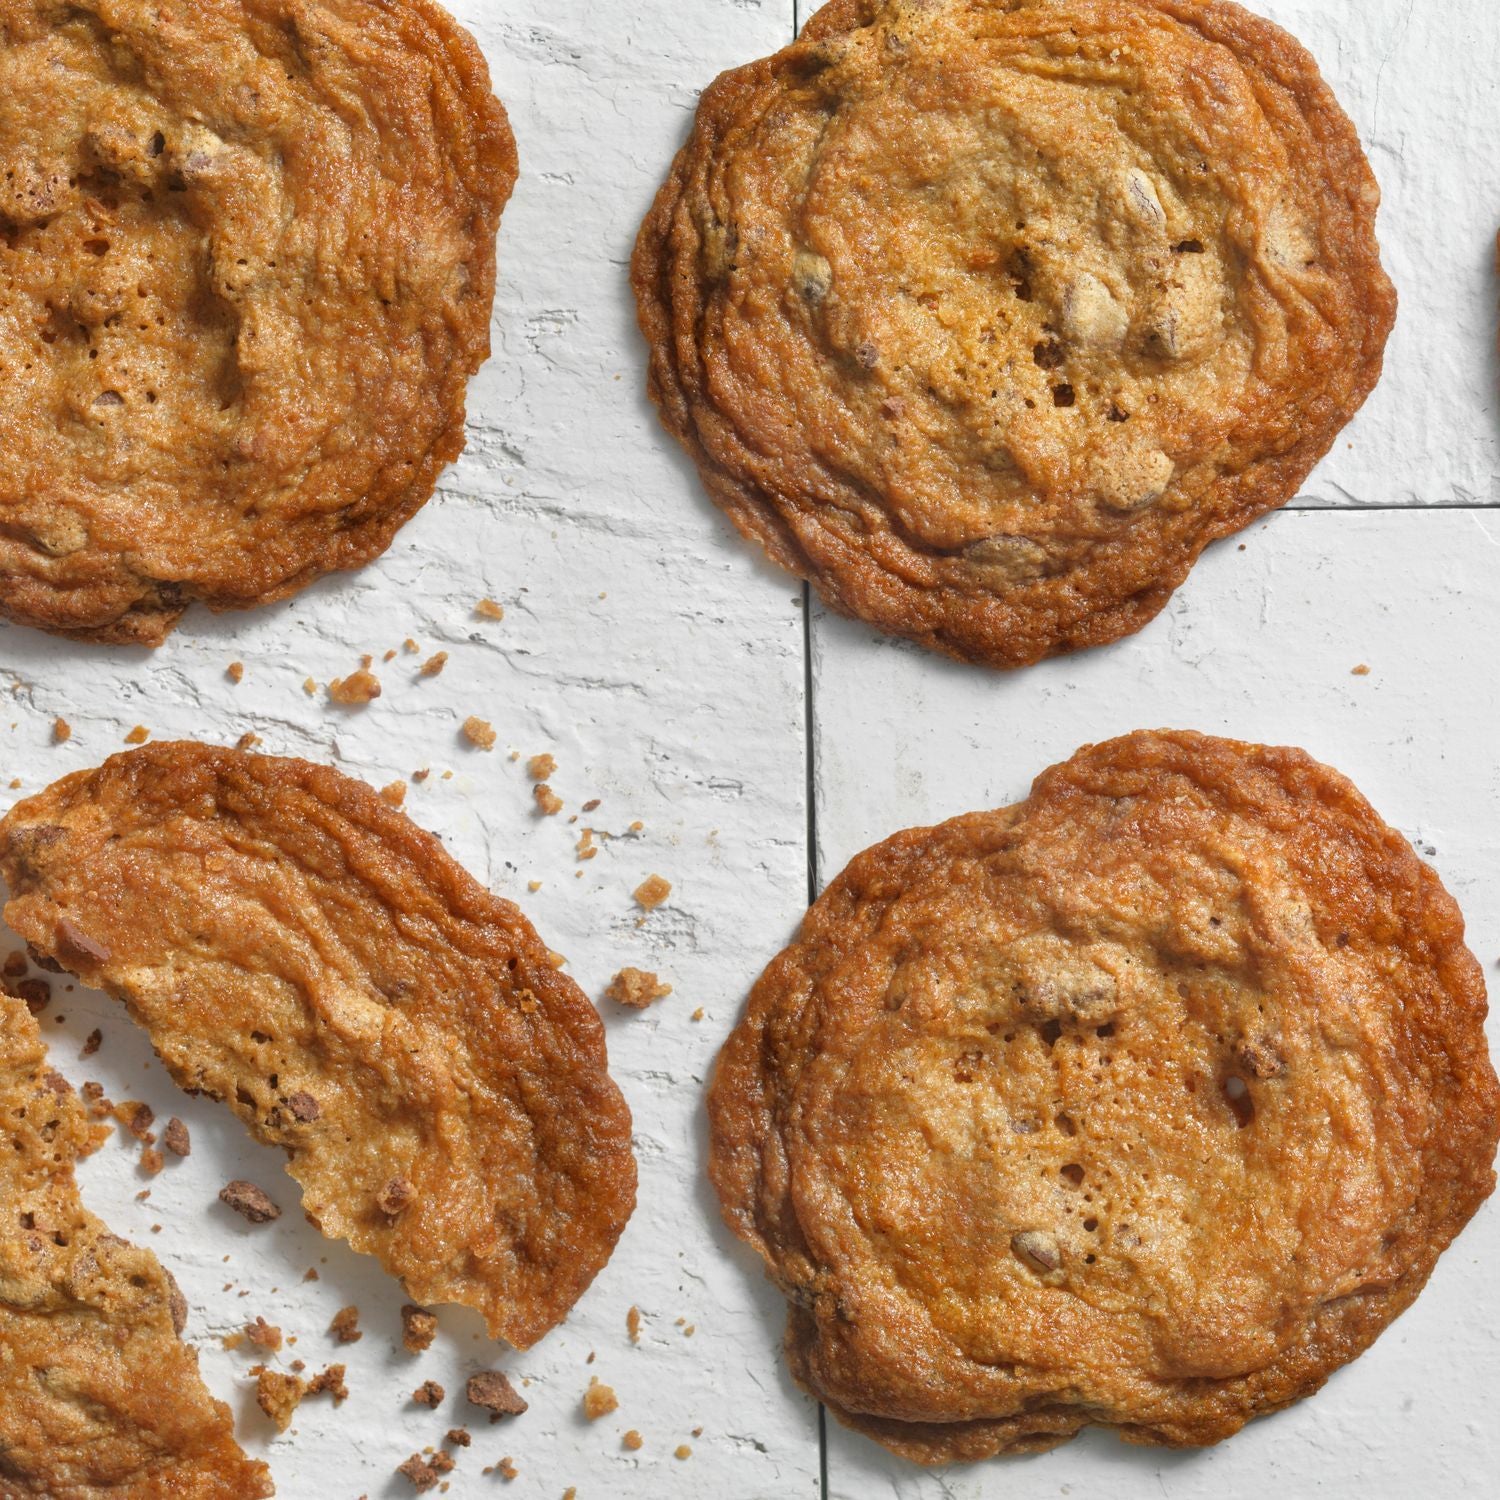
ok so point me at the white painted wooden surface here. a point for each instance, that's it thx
(679, 698)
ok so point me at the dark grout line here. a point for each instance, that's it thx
(812, 832)
(1415, 505)
(823, 1449)
(809, 752)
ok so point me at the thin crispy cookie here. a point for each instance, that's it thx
(299, 949)
(1147, 1103)
(99, 1396)
(247, 259)
(987, 316)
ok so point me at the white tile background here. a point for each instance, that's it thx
(684, 697)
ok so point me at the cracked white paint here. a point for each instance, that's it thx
(678, 699)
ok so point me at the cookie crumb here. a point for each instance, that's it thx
(479, 732)
(632, 1441)
(355, 690)
(546, 799)
(592, 803)
(176, 1138)
(587, 848)
(491, 1391)
(599, 1400)
(421, 1475)
(488, 609)
(137, 1118)
(636, 988)
(278, 1395)
(434, 664)
(697, 1015)
(429, 1393)
(633, 1324)
(652, 891)
(262, 1334)
(459, 1437)
(310, 1274)
(682, 1451)
(421, 775)
(92, 1043)
(345, 1326)
(418, 1328)
(248, 1201)
(62, 731)
(152, 1161)
(235, 672)
(247, 742)
(309, 686)
(138, 736)
(540, 767)
(330, 1382)
(393, 794)
(507, 1468)
(410, 646)
(533, 886)
(1360, 671)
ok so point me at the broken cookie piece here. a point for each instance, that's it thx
(89, 1324)
(284, 937)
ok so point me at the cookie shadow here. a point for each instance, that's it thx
(768, 1304)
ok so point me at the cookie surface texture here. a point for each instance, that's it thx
(987, 316)
(99, 1396)
(302, 951)
(247, 258)
(1145, 1103)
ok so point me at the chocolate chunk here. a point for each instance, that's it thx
(249, 1201)
(176, 1139)
(492, 1391)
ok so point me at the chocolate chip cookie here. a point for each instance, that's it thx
(1146, 1103)
(299, 949)
(247, 258)
(987, 316)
